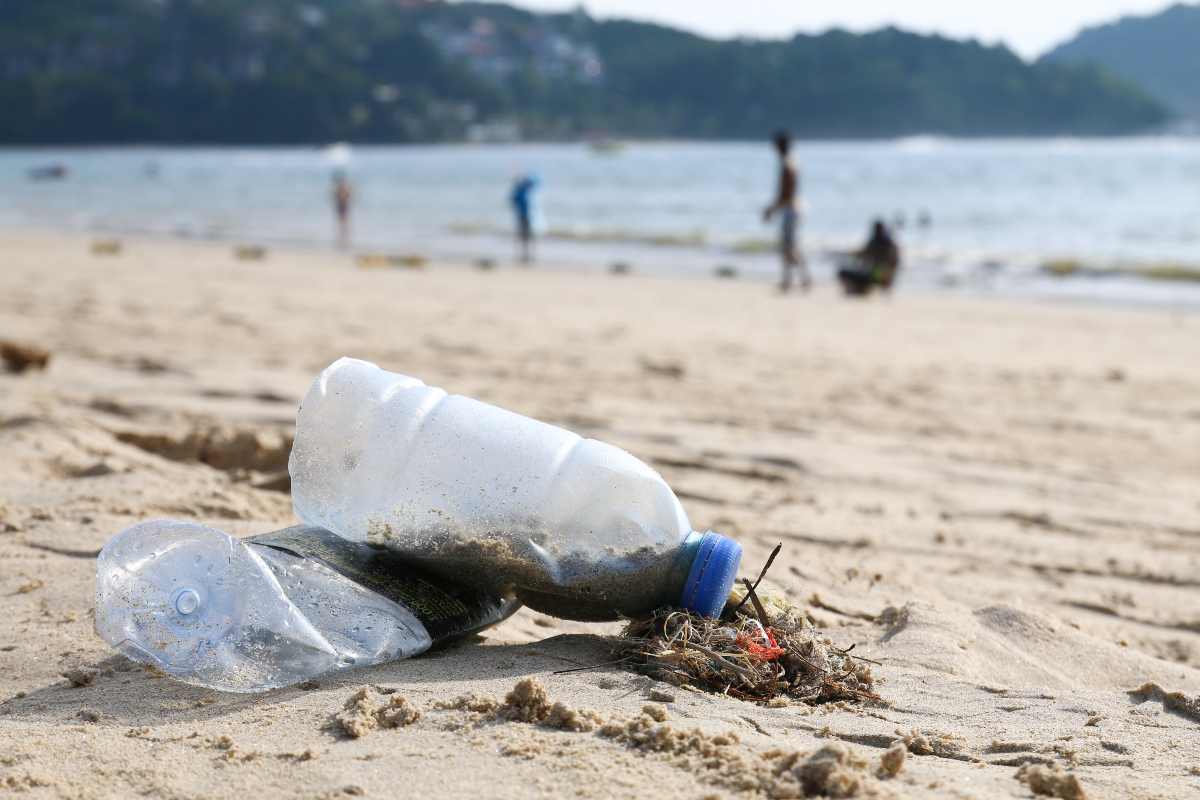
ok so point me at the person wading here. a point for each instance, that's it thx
(342, 195)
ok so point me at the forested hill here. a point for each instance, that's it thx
(285, 71)
(1160, 52)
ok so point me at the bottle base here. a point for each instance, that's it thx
(202, 607)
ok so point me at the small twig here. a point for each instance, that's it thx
(745, 673)
(754, 724)
(590, 666)
(868, 660)
(758, 606)
(761, 573)
(846, 653)
(816, 601)
(810, 664)
(63, 551)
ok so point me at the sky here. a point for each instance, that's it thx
(1029, 27)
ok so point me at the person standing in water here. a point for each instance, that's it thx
(787, 206)
(524, 203)
(342, 196)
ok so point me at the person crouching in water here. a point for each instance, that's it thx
(787, 205)
(875, 265)
(524, 203)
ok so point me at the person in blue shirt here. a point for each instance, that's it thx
(524, 203)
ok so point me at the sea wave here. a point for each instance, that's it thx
(688, 239)
(1064, 268)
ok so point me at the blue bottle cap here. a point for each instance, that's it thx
(713, 571)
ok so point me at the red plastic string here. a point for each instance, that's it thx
(761, 652)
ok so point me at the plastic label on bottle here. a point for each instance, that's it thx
(447, 610)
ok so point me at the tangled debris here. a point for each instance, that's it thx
(751, 655)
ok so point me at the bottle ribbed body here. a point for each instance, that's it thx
(574, 526)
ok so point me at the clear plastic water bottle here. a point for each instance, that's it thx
(254, 614)
(574, 527)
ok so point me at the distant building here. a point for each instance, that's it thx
(495, 132)
(497, 54)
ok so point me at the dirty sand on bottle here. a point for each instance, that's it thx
(999, 502)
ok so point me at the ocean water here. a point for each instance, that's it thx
(996, 210)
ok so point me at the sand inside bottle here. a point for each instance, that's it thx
(521, 558)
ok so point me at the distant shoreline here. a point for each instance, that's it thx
(1188, 286)
(1190, 135)
(1105, 219)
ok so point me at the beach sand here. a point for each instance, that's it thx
(999, 502)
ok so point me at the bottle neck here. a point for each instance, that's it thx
(714, 564)
(681, 568)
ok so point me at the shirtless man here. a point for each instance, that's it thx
(787, 205)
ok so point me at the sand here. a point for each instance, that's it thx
(997, 501)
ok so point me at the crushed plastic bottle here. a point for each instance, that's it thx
(576, 528)
(273, 610)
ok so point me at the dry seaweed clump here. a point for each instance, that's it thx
(748, 655)
(366, 710)
(1051, 781)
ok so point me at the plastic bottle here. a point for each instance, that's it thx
(576, 528)
(255, 614)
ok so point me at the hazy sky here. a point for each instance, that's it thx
(1028, 26)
